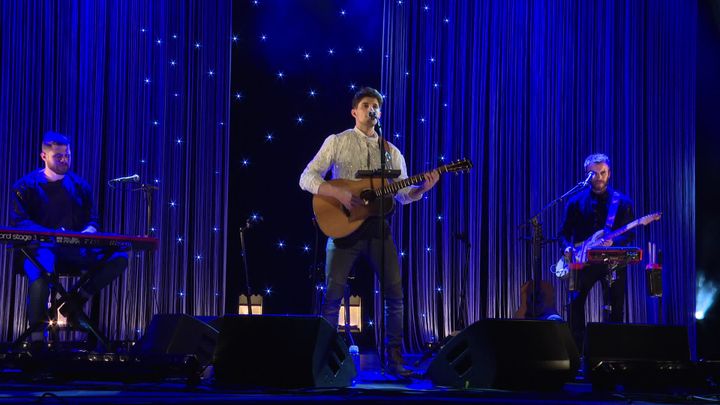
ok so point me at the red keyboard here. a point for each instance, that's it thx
(83, 240)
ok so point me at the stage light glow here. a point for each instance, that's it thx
(705, 296)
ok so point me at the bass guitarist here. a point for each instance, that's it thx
(599, 207)
(346, 153)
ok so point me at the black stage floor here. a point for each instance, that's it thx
(371, 385)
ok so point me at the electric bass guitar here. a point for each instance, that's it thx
(580, 254)
(336, 221)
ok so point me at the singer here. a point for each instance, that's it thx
(592, 209)
(52, 199)
(347, 152)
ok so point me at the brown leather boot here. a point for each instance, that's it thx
(395, 363)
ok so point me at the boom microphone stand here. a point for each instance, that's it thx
(315, 275)
(462, 312)
(243, 252)
(461, 315)
(535, 282)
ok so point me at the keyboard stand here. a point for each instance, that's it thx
(56, 288)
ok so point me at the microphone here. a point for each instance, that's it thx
(128, 179)
(373, 114)
(590, 176)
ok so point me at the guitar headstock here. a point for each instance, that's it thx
(463, 165)
(650, 218)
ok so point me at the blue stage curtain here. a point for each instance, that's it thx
(527, 89)
(139, 87)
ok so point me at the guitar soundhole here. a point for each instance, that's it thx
(367, 195)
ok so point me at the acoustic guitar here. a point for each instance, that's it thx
(537, 297)
(336, 221)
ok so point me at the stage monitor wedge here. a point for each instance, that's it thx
(639, 357)
(508, 354)
(282, 352)
(178, 334)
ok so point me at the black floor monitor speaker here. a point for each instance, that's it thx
(508, 354)
(178, 334)
(281, 351)
(638, 356)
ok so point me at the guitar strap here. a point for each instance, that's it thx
(612, 212)
(388, 156)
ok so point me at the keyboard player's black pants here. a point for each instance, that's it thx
(64, 259)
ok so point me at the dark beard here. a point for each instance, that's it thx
(600, 190)
(59, 169)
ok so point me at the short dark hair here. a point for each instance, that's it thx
(596, 158)
(51, 138)
(367, 92)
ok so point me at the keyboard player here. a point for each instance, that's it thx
(56, 199)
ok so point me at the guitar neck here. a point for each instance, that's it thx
(623, 229)
(393, 188)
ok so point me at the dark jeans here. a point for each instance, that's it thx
(613, 297)
(341, 257)
(66, 260)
